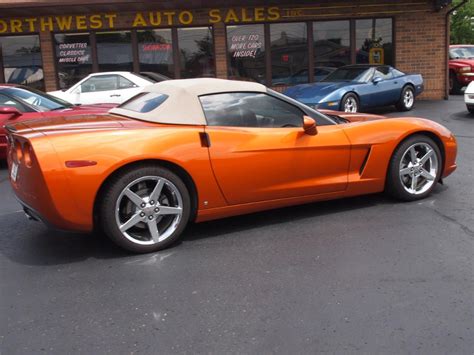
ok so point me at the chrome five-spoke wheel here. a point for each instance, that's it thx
(408, 98)
(414, 169)
(149, 210)
(350, 104)
(145, 208)
(418, 168)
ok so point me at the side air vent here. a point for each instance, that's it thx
(364, 162)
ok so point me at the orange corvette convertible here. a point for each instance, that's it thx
(202, 149)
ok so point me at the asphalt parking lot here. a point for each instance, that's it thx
(359, 275)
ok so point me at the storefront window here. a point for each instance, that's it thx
(73, 57)
(155, 52)
(374, 41)
(22, 62)
(331, 45)
(246, 51)
(114, 50)
(196, 52)
(289, 49)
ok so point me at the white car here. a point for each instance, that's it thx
(100, 88)
(469, 97)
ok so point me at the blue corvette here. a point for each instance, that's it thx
(353, 88)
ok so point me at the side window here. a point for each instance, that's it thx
(383, 72)
(100, 83)
(124, 83)
(6, 101)
(250, 109)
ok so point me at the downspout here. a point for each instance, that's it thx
(448, 37)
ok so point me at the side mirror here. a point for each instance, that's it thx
(376, 80)
(10, 110)
(309, 126)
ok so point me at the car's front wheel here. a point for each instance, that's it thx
(407, 99)
(415, 168)
(145, 209)
(350, 103)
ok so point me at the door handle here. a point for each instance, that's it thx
(115, 95)
(396, 82)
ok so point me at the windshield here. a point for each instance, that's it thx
(39, 99)
(349, 74)
(462, 53)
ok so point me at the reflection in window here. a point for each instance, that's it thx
(73, 57)
(22, 62)
(289, 48)
(374, 41)
(331, 45)
(250, 109)
(246, 51)
(155, 52)
(114, 50)
(196, 52)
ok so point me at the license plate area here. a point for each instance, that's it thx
(14, 172)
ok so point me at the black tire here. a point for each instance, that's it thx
(454, 85)
(113, 191)
(403, 104)
(394, 185)
(470, 109)
(349, 98)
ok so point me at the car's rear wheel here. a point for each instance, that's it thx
(145, 209)
(407, 99)
(415, 168)
(454, 85)
(350, 103)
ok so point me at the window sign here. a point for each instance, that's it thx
(73, 57)
(246, 51)
(155, 51)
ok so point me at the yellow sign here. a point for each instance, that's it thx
(136, 20)
(376, 55)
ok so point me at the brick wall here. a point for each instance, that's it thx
(421, 48)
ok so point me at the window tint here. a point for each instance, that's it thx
(22, 61)
(6, 101)
(114, 51)
(100, 83)
(144, 102)
(124, 83)
(36, 98)
(289, 52)
(196, 52)
(247, 109)
(331, 43)
(383, 72)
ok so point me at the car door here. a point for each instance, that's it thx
(385, 90)
(259, 151)
(107, 88)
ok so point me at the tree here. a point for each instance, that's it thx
(462, 21)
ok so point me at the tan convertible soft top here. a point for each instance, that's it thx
(182, 105)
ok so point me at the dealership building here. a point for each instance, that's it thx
(50, 44)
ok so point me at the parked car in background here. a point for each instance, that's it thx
(301, 76)
(155, 77)
(202, 149)
(352, 88)
(107, 87)
(20, 103)
(469, 97)
(461, 67)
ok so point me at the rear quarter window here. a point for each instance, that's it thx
(144, 102)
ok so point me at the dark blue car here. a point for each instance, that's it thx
(353, 88)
